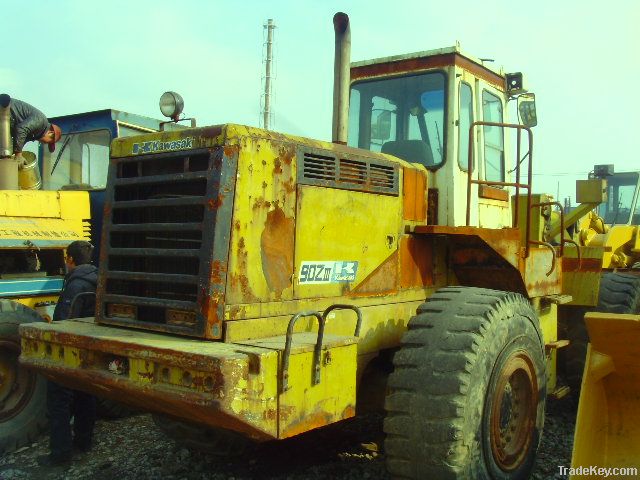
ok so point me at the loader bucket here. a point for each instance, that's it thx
(607, 431)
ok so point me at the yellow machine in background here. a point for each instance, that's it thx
(35, 228)
(607, 431)
(607, 219)
(256, 285)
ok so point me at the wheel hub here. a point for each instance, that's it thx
(16, 385)
(513, 413)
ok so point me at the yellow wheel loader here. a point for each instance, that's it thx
(615, 226)
(255, 285)
(40, 214)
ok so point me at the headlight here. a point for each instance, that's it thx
(171, 105)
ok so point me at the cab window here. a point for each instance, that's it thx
(80, 161)
(466, 119)
(493, 138)
(401, 116)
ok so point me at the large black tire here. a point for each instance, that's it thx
(571, 358)
(468, 392)
(213, 441)
(111, 410)
(619, 293)
(22, 392)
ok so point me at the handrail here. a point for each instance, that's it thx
(515, 184)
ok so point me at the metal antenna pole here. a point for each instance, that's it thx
(266, 114)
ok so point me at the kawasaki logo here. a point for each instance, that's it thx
(158, 146)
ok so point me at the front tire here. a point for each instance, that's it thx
(22, 392)
(468, 392)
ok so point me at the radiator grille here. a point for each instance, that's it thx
(154, 229)
(365, 175)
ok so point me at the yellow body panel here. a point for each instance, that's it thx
(43, 218)
(220, 384)
(581, 277)
(608, 423)
(354, 227)
(261, 247)
(44, 204)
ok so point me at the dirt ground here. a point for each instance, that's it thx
(133, 448)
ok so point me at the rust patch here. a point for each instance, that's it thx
(416, 262)
(217, 269)
(287, 153)
(585, 265)
(261, 203)
(240, 279)
(424, 63)
(289, 186)
(231, 150)
(277, 167)
(276, 244)
(383, 280)
(215, 203)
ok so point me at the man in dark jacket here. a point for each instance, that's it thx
(76, 300)
(28, 123)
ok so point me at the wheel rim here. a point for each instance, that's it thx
(513, 412)
(16, 385)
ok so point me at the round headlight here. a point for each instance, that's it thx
(171, 104)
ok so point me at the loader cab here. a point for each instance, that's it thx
(419, 108)
(81, 158)
(621, 207)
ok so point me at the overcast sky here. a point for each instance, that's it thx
(580, 58)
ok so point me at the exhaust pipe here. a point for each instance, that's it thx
(6, 145)
(8, 165)
(341, 78)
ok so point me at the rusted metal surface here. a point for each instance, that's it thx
(277, 245)
(513, 412)
(414, 195)
(485, 191)
(494, 258)
(381, 281)
(426, 63)
(432, 206)
(416, 261)
(348, 170)
(211, 383)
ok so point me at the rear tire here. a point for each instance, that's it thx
(22, 392)
(213, 441)
(468, 392)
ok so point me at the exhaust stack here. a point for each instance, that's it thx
(8, 165)
(6, 146)
(341, 77)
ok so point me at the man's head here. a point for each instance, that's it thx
(78, 253)
(51, 136)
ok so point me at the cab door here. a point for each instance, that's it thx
(494, 205)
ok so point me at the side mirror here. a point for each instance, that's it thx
(381, 125)
(527, 110)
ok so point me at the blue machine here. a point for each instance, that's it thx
(81, 158)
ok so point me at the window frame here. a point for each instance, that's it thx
(463, 165)
(502, 165)
(445, 108)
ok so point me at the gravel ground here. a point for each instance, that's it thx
(133, 448)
